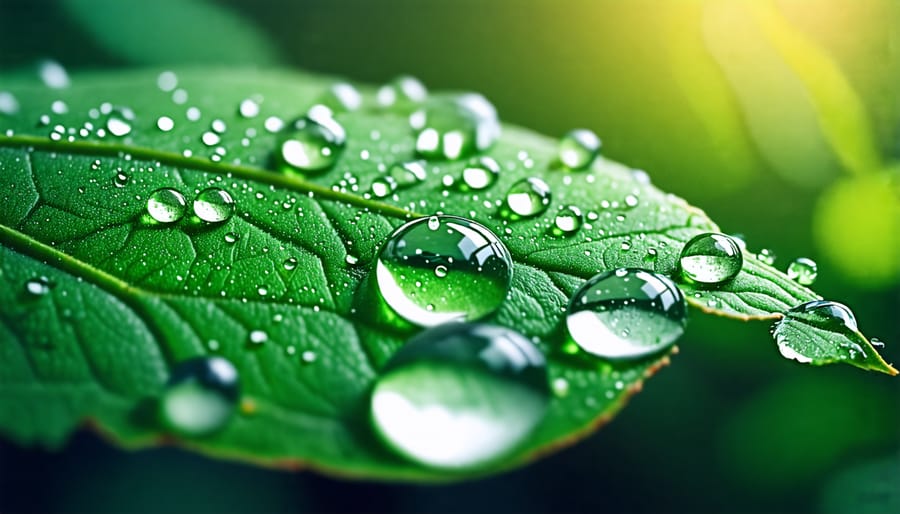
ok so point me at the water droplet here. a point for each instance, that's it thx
(53, 74)
(8, 103)
(258, 337)
(218, 126)
(766, 256)
(478, 270)
(455, 128)
(248, 108)
(167, 81)
(59, 107)
(568, 220)
(481, 173)
(308, 356)
(165, 123)
(822, 314)
(38, 286)
(560, 387)
(402, 94)
(528, 197)
(803, 270)
(210, 138)
(273, 124)
(631, 201)
(290, 263)
(120, 180)
(118, 121)
(200, 396)
(460, 395)
(351, 260)
(166, 205)
(877, 343)
(711, 259)
(312, 143)
(231, 237)
(214, 205)
(578, 149)
(626, 313)
(440, 271)
(383, 186)
(342, 97)
(406, 174)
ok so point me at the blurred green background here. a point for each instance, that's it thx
(780, 118)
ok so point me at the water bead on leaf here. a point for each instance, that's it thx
(443, 268)
(406, 174)
(803, 270)
(214, 205)
(578, 149)
(711, 259)
(480, 173)
(402, 94)
(766, 256)
(119, 120)
(528, 197)
(626, 313)
(166, 205)
(312, 143)
(200, 396)
(455, 128)
(791, 333)
(460, 395)
(568, 220)
(342, 97)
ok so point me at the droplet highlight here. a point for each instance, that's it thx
(200, 396)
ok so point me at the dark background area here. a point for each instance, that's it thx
(730, 426)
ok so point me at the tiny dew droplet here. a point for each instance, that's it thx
(312, 143)
(627, 313)
(214, 205)
(578, 149)
(528, 197)
(166, 205)
(460, 395)
(803, 270)
(560, 387)
(290, 263)
(119, 120)
(711, 259)
(480, 173)
(258, 336)
(200, 396)
(120, 180)
(568, 220)
(231, 237)
(248, 108)
(342, 97)
(165, 123)
(476, 264)
(383, 186)
(38, 286)
(401, 94)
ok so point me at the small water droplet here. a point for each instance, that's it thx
(53, 75)
(766, 256)
(214, 205)
(210, 138)
(401, 94)
(803, 270)
(248, 108)
(119, 120)
(290, 263)
(218, 126)
(8, 103)
(478, 263)
(231, 237)
(273, 124)
(631, 201)
(560, 387)
(258, 337)
(308, 356)
(460, 395)
(120, 180)
(440, 271)
(38, 286)
(455, 128)
(200, 396)
(481, 173)
(312, 143)
(578, 149)
(342, 97)
(167, 81)
(165, 123)
(383, 186)
(166, 205)
(568, 220)
(711, 259)
(528, 197)
(406, 174)
(627, 313)
(351, 260)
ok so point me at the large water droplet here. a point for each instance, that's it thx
(214, 205)
(454, 128)
(402, 94)
(200, 396)
(477, 270)
(312, 143)
(626, 313)
(711, 259)
(822, 314)
(528, 197)
(803, 270)
(578, 149)
(166, 205)
(481, 173)
(460, 395)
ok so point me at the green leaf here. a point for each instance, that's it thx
(127, 299)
